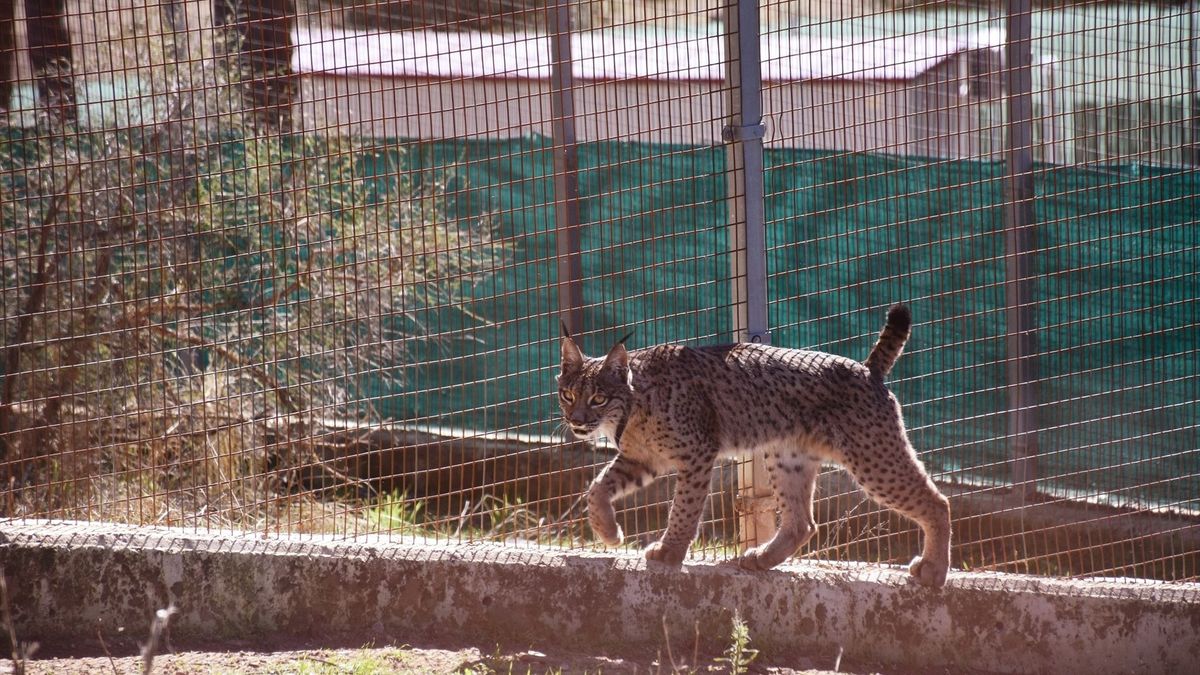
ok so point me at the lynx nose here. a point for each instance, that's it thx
(581, 424)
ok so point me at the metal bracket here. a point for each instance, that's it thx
(740, 134)
(747, 505)
(760, 337)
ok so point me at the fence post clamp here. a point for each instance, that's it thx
(754, 504)
(731, 133)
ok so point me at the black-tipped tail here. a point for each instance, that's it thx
(891, 341)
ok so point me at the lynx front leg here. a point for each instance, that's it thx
(620, 477)
(691, 489)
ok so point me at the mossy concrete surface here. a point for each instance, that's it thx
(69, 580)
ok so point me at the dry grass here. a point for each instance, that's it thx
(21, 652)
(175, 293)
(163, 338)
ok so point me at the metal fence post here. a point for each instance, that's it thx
(566, 169)
(1019, 222)
(743, 136)
(1192, 155)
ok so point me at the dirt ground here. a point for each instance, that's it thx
(369, 661)
(317, 658)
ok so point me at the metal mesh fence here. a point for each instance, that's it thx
(299, 266)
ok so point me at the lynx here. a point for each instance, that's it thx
(675, 408)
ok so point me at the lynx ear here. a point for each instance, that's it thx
(618, 357)
(572, 357)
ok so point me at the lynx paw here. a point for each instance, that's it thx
(606, 530)
(657, 552)
(928, 573)
(754, 560)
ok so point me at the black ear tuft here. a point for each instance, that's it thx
(565, 333)
(627, 336)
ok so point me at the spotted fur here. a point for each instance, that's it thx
(674, 408)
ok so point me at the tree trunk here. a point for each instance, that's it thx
(264, 29)
(49, 53)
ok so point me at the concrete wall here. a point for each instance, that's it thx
(924, 117)
(68, 580)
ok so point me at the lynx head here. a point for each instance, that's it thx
(594, 394)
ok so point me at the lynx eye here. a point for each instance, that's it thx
(566, 396)
(598, 400)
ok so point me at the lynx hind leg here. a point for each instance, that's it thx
(794, 479)
(895, 479)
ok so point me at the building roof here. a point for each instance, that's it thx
(1100, 52)
(624, 55)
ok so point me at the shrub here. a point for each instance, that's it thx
(169, 300)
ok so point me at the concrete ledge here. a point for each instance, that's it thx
(67, 579)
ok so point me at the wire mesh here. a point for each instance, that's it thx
(299, 267)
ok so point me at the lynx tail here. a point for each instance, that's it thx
(891, 341)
